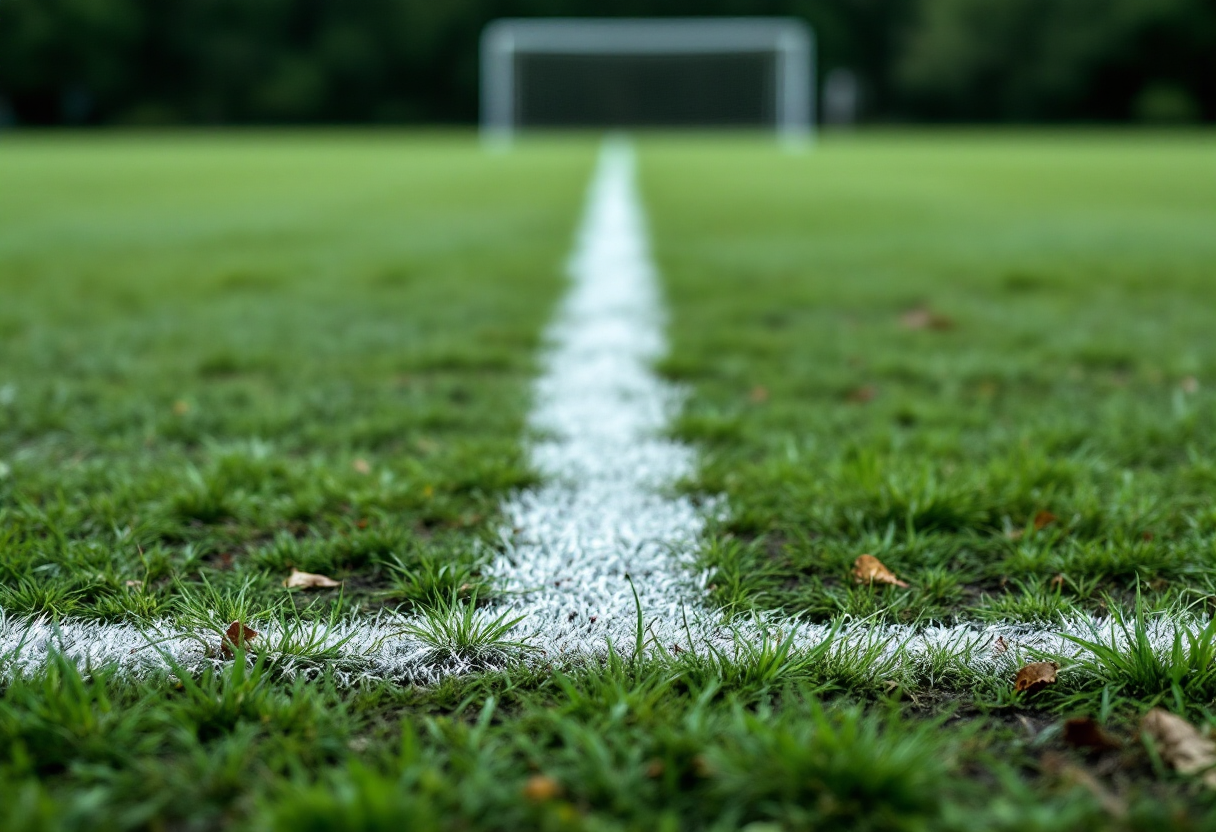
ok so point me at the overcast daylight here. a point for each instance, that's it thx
(759, 415)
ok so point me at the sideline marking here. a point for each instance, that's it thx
(606, 511)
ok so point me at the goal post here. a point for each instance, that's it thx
(661, 72)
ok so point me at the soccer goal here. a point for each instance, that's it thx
(665, 73)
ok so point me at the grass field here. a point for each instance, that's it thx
(912, 347)
(225, 355)
(984, 358)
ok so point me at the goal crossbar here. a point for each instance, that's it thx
(788, 39)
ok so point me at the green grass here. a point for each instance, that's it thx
(619, 746)
(1074, 277)
(222, 356)
(225, 355)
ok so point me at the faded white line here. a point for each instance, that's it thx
(605, 523)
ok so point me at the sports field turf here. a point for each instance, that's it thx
(913, 347)
(984, 358)
(233, 354)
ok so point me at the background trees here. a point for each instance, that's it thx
(268, 61)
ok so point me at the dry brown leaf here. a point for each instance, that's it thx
(924, 318)
(759, 394)
(1035, 676)
(237, 636)
(541, 788)
(1044, 519)
(1180, 745)
(361, 466)
(1085, 732)
(1057, 582)
(862, 394)
(868, 569)
(1190, 384)
(307, 580)
(999, 646)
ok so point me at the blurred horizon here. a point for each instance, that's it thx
(404, 62)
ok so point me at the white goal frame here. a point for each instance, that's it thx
(789, 39)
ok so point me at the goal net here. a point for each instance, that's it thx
(674, 72)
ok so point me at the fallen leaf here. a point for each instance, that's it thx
(1057, 582)
(999, 646)
(1044, 519)
(541, 788)
(1180, 745)
(307, 580)
(361, 466)
(868, 569)
(237, 636)
(135, 584)
(1085, 732)
(759, 394)
(180, 408)
(1190, 384)
(922, 317)
(1035, 676)
(862, 394)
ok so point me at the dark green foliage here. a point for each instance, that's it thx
(149, 62)
(1026, 60)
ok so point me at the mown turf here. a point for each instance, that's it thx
(223, 356)
(914, 345)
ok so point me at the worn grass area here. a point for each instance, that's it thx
(222, 356)
(916, 345)
(225, 356)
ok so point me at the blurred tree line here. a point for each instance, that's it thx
(342, 61)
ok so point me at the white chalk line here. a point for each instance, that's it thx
(604, 525)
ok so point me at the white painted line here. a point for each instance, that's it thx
(607, 513)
